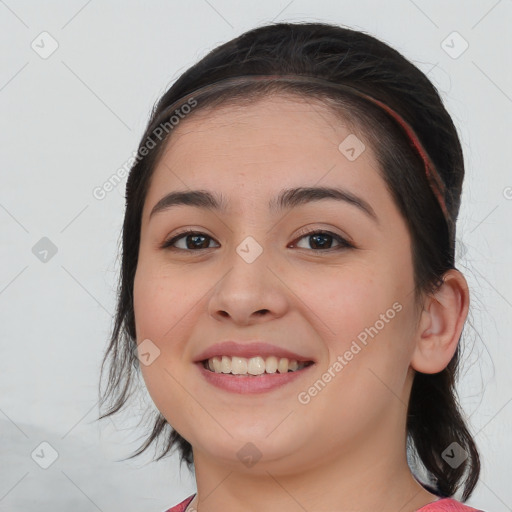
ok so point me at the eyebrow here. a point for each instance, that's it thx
(287, 198)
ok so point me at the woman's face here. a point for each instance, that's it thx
(260, 274)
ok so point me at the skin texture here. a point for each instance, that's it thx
(345, 449)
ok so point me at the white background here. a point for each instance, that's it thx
(70, 121)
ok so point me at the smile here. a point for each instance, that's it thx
(253, 375)
(253, 366)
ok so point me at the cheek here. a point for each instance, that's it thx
(160, 303)
(158, 310)
(343, 301)
(159, 307)
(368, 359)
(364, 319)
(151, 302)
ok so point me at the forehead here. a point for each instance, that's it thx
(276, 142)
(276, 121)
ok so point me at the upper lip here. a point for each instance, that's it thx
(248, 350)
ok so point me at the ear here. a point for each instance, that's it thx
(441, 324)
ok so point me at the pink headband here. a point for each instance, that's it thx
(436, 183)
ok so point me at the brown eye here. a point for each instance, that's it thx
(323, 240)
(320, 241)
(193, 240)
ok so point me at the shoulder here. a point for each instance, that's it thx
(180, 507)
(447, 505)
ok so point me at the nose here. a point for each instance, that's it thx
(248, 293)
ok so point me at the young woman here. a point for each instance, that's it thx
(288, 289)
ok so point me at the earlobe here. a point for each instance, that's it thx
(441, 324)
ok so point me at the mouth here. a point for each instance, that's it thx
(254, 366)
(255, 375)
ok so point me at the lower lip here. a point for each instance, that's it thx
(251, 384)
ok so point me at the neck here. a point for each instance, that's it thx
(373, 475)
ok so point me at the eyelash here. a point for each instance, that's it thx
(344, 244)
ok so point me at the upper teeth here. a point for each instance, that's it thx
(253, 366)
